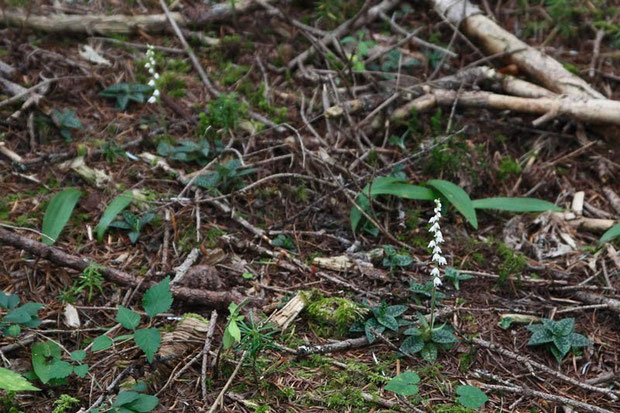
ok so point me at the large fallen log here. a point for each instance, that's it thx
(495, 40)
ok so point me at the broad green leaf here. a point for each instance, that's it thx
(102, 343)
(429, 352)
(78, 355)
(556, 353)
(404, 384)
(371, 327)
(81, 370)
(471, 397)
(609, 235)
(144, 403)
(58, 213)
(232, 334)
(387, 185)
(457, 197)
(389, 322)
(577, 340)
(127, 318)
(148, 339)
(11, 381)
(412, 344)
(125, 397)
(443, 336)
(117, 205)
(515, 204)
(540, 336)
(396, 310)
(46, 362)
(158, 298)
(564, 327)
(562, 343)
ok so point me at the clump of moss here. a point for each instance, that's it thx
(507, 168)
(334, 315)
(512, 264)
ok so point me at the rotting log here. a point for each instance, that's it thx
(126, 24)
(495, 40)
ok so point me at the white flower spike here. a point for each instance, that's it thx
(150, 66)
(437, 259)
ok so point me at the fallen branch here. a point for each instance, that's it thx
(215, 299)
(587, 110)
(526, 361)
(494, 39)
(611, 303)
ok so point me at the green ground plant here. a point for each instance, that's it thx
(557, 336)
(427, 340)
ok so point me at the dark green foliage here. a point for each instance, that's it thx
(133, 224)
(424, 290)
(134, 400)
(382, 317)
(511, 266)
(283, 241)
(225, 178)
(393, 259)
(65, 121)
(455, 277)
(127, 92)
(188, 151)
(222, 113)
(558, 336)
(17, 317)
(426, 340)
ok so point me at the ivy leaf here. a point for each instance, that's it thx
(127, 318)
(404, 384)
(471, 397)
(158, 298)
(148, 339)
(11, 381)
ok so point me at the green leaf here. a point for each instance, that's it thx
(404, 384)
(127, 318)
(371, 327)
(58, 213)
(540, 336)
(148, 339)
(387, 185)
(125, 397)
(457, 197)
(81, 370)
(577, 340)
(471, 397)
(158, 298)
(78, 355)
(412, 344)
(515, 204)
(556, 353)
(102, 343)
(144, 403)
(46, 362)
(11, 381)
(564, 327)
(443, 336)
(611, 234)
(232, 334)
(117, 205)
(562, 343)
(396, 310)
(429, 352)
(389, 322)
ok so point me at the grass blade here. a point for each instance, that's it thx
(58, 213)
(611, 234)
(457, 197)
(515, 204)
(117, 205)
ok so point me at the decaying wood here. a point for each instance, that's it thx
(216, 299)
(494, 39)
(612, 303)
(126, 24)
(287, 314)
(601, 111)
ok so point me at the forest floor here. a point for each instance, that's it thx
(254, 191)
